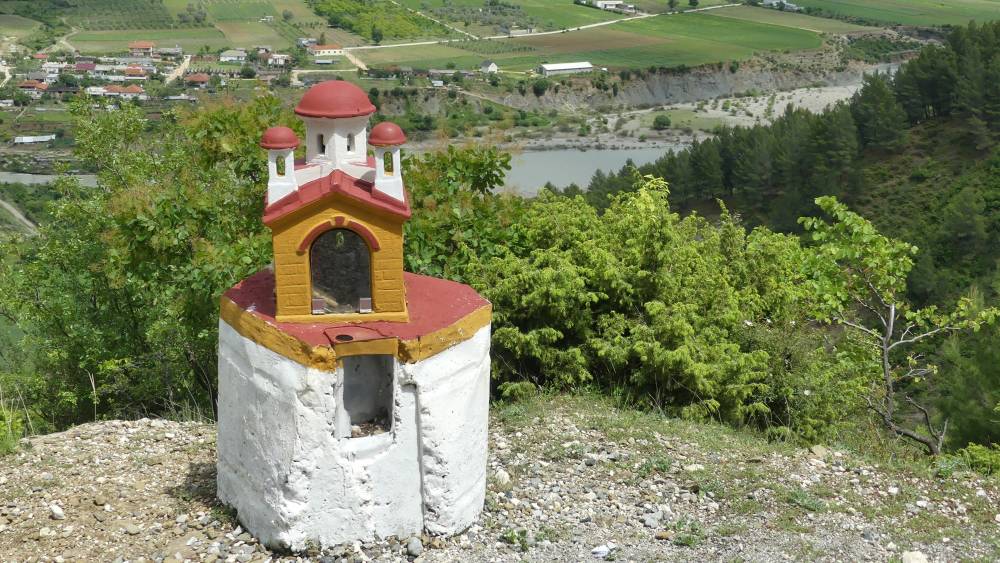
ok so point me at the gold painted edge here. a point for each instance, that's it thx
(326, 358)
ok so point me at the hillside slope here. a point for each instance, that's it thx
(568, 475)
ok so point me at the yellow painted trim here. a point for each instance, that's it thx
(391, 316)
(327, 358)
(383, 346)
(269, 336)
(431, 344)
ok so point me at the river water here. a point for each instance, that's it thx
(530, 170)
(20, 178)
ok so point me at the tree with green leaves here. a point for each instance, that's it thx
(858, 277)
(672, 4)
(661, 122)
(880, 119)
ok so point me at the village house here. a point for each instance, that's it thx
(175, 52)
(305, 41)
(278, 59)
(233, 56)
(488, 67)
(328, 50)
(197, 80)
(135, 73)
(33, 88)
(141, 48)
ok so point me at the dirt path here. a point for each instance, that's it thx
(30, 226)
(179, 70)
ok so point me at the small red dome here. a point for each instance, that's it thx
(334, 98)
(386, 134)
(279, 138)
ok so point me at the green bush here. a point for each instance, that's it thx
(984, 459)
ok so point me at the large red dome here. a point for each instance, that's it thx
(279, 138)
(386, 134)
(334, 98)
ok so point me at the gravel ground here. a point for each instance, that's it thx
(572, 479)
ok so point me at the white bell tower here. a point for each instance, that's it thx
(386, 139)
(280, 143)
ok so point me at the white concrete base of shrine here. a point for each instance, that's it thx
(296, 478)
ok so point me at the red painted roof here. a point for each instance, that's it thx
(433, 304)
(40, 55)
(279, 138)
(386, 134)
(334, 99)
(197, 77)
(134, 71)
(141, 45)
(336, 182)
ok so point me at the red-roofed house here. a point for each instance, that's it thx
(40, 56)
(329, 50)
(33, 88)
(141, 48)
(135, 73)
(198, 79)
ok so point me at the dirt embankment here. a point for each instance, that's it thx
(697, 84)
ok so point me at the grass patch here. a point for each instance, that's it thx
(910, 12)
(787, 19)
(117, 41)
(16, 26)
(663, 41)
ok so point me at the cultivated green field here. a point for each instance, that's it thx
(16, 26)
(549, 14)
(912, 12)
(116, 41)
(686, 39)
(788, 19)
(248, 34)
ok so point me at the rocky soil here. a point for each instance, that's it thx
(572, 479)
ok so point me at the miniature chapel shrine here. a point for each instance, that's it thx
(353, 396)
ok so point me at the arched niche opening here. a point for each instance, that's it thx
(340, 273)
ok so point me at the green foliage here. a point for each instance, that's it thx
(377, 19)
(118, 296)
(984, 459)
(681, 313)
(661, 122)
(456, 217)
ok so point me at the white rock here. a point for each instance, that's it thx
(997, 518)
(913, 557)
(694, 467)
(603, 550)
(502, 477)
(893, 490)
(57, 512)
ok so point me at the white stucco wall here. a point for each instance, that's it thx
(293, 480)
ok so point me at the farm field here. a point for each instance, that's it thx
(912, 12)
(16, 26)
(117, 41)
(548, 14)
(789, 19)
(248, 34)
(686, 39)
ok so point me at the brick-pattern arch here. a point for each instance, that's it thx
(339, 222)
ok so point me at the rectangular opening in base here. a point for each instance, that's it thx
(368, 395)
